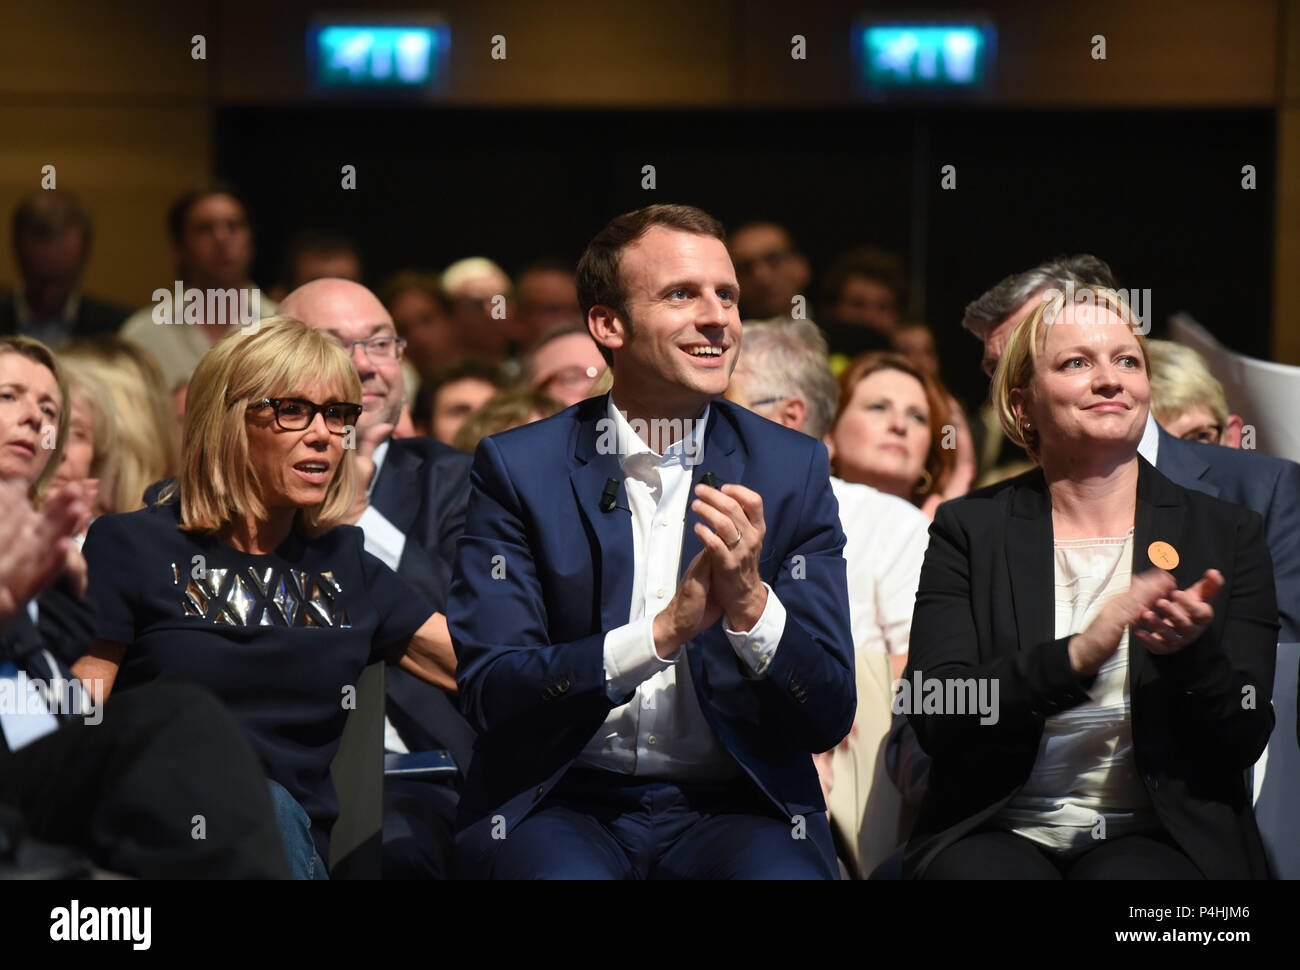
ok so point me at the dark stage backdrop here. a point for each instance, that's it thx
(1158, 194)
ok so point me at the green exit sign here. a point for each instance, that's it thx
(925, 57)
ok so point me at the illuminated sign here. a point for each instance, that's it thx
(378, 57)
(925, 57)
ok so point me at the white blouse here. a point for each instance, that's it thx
(1085, 784)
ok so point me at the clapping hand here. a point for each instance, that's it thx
(38, 544)
(1176, 620)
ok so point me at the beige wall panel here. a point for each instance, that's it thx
(98, 49)
(127, 163)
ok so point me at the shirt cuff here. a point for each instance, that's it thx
(630, 658)
(757, 647)
(383, 540)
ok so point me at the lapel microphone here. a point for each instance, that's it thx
(609, 497)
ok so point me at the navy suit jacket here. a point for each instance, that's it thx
(542, 574)
(422, 489)
(1267, 485)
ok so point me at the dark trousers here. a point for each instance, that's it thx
(419, 828)
(165, 787)
(602, 825)
(1004, 855)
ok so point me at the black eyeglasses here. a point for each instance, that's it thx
(297, 414)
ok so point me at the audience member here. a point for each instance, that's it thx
(453, 394)
(565, 363)
(1269, 486)
(770, 270)
(92, 453)
(121, 783)
(784, 374)
(148, 440)
(548, 296)
(410, 504)
(1041, 779)
(266, 603)
(511, 408)
(212, 246)
(52, 236)
(1186, 398)
(606, 749)
(863, 297)
(483, 314)
(421, 313)
(317, 254)
(892, 430)
(915, 341)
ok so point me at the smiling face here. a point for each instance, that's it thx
(349, 312)
(294, 468)
(682, 298)
(29, 416)
(1089, 393)
(883, 437)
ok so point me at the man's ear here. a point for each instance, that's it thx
(1231, 434)
(791, 413)
(607, 328)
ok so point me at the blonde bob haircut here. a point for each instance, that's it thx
(279, 358)
(36, 351)
(1019, 360)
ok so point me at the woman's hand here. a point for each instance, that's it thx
(1097, 644)
(1181, 617)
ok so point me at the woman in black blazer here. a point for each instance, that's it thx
(1121, 727)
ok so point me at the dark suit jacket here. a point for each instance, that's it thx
(422, 489)
(94, 317)
(44, 650)
(985, 609)
(542, 573)
(1268, 485)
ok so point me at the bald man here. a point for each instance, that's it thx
(412, 511)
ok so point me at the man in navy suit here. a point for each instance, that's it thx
(412, 515)
(651, 660)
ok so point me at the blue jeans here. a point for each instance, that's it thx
(295, 831)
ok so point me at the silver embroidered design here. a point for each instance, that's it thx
(263, 596)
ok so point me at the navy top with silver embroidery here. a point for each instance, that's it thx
(281, 639)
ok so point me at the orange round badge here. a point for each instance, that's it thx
(1162, 554)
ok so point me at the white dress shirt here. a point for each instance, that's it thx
(1149, 446)
(661, 731)
(385, 542)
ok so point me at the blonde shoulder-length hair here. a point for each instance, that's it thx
(279, 358)
(1020, 357)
